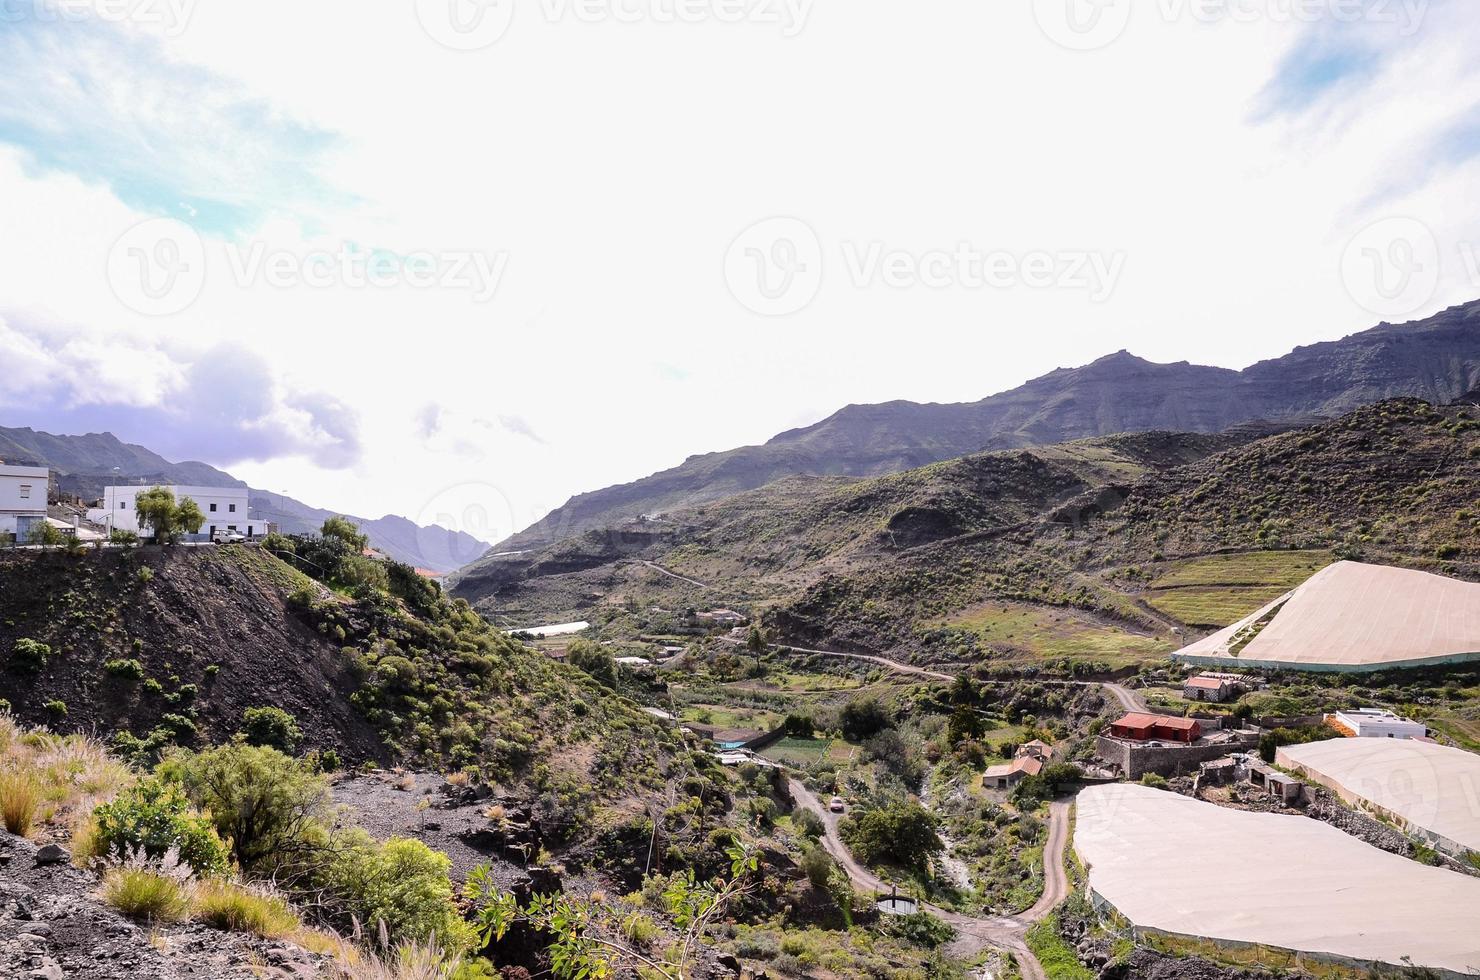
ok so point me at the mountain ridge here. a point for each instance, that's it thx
(1436, 359)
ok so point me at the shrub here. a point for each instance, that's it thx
(817, 866)
(154, 818)
(808, 824)
(271, 727)
(145, 894)
(29, 654)
(920, 928)
(20, 800)
(267, 804)
(640, 929)
(128, 539)
(236, 908)
(1154, 781)
(400, 886)
(863, 718)
(278, 544)
(129, 669)
(594, 660)
(55, 708)
(904, 832)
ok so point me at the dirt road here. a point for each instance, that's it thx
(974, 932)
(1128, 699)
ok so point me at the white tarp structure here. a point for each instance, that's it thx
(1353, 617)
(1433, 789)
(1170, 863)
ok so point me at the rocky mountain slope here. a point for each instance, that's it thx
(172, 645)
(1098, 547)
(1437, 359)
(87, 463)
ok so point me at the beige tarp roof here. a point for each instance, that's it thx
(1351, 615)
(1180, 865)
(1431, 786)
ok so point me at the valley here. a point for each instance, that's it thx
(791, 704)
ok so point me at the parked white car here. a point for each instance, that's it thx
(225, 536)
(836, 805)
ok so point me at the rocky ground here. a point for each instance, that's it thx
(54, 927)
(1326, 808)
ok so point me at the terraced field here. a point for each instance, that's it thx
(1029, 632)
(1220, 589)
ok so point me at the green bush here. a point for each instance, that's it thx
(268, 805)
(1154, 781)
(920, 928)
(904, 833)
(817, 865)
(401, 883)
(594, 660)
(129, 669)
(57, 709)
(271, 727)
(155, 816)
(29, 654)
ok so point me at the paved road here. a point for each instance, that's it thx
(975, 932)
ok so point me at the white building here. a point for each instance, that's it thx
(225, 509)
(1375, 723)
(22, 498)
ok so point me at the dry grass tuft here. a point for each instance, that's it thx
(244, 908)
(156, 892)
(409, 961)
(46, 778)
(20, 801)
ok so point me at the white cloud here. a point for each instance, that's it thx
(613, 164)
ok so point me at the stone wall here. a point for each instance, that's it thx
(1135, 759)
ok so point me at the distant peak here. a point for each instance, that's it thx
(1121, 356)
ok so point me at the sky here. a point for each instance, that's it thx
(461, 259)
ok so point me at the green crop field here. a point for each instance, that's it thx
(1219, 590)
(799, 752)
(1042, 632)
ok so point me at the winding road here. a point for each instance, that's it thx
(974, 932)
(1128, 699)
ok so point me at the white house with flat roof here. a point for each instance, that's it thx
(1374, 723)
(22, 498)
(225, 509)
